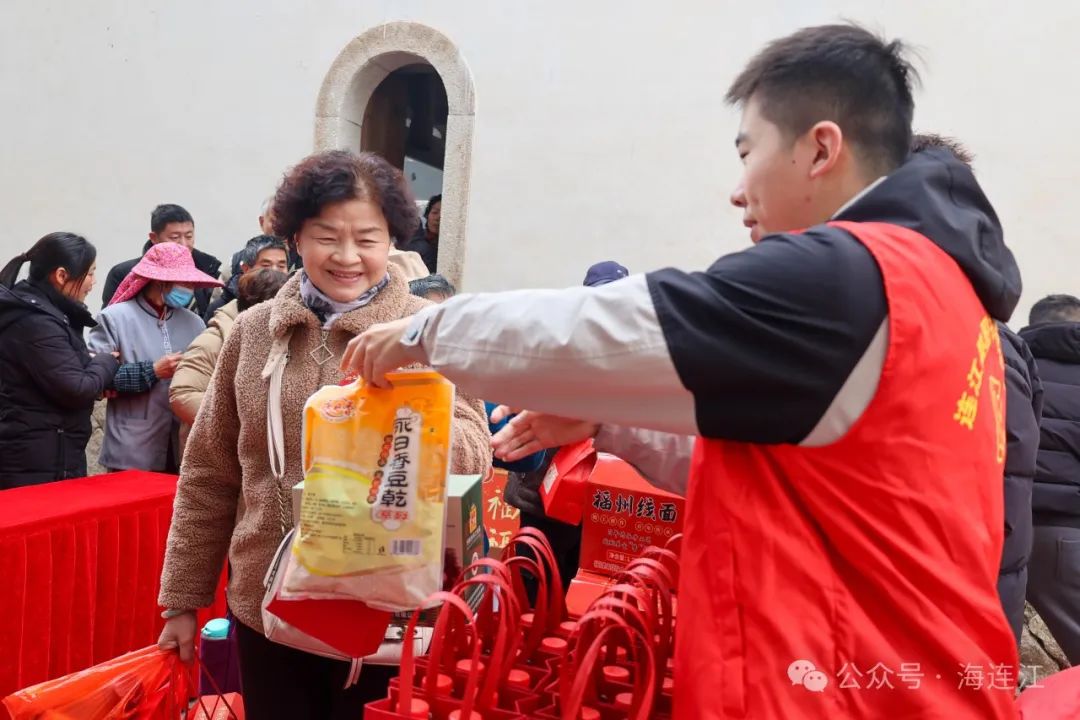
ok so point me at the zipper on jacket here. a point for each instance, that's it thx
(61, 466)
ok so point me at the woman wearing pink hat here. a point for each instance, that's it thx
(148, 324)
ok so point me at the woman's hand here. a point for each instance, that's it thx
(179, 634)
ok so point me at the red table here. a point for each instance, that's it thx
(80, 562)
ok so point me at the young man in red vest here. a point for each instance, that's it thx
(843, 379)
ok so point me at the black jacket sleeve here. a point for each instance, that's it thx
(765, 338)
(57, 368)
(1023, 413)
(112, 282)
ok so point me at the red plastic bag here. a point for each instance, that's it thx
(148, 684)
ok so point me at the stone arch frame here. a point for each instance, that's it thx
(357, 71)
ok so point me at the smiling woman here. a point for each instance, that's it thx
(342, 211)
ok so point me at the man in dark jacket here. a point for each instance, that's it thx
(48, 385)
(262, 252)
(1054, 581)
(1023, 410)
(169, 223)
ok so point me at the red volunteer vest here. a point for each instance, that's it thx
(858, 580)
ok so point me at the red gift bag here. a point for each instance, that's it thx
(581, 685)
(229, 706)
(408, 701)
(555, 625)
(564, 490)
(220, 706)
(148, 684)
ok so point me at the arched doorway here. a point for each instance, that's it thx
(385, 92)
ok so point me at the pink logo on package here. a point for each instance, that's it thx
(805, 673)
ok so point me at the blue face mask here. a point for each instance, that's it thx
(179, 297)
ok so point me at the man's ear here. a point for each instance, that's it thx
(244, 267)
(828, 143)
(154, 238)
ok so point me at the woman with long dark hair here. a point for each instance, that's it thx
(48, 379)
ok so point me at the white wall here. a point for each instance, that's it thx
(600, 127)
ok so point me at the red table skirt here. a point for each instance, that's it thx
(80, 563)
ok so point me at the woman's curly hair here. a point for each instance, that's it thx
(337, 175)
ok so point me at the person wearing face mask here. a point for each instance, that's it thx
(149, 325)
(48, 379)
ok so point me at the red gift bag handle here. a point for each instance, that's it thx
(646, 604)
(536, 540)
(652, 580)
(479, 565)
(644, 686)
(540, 608)
(674, 545)
(486, 611)
(630, 612)
(506, 642)
(449, 602)
(213, 684)
(478, 568)
(666, 559)
(588, 628)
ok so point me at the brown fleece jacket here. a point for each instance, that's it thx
(226, 499)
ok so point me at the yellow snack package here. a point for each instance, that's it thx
(372, 516)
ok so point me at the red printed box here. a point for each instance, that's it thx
(623, 515)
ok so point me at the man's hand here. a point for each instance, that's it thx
(530, 432)
(165, 367)
(376, 352)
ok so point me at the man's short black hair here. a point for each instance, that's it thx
(841, 73)
(167, 214)
(424, 287)
(1055, 308)
(933, 141)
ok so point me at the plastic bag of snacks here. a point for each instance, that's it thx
(375, 468)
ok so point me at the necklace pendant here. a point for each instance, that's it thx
(321, 354)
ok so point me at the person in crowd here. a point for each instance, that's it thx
(266, 216)
(48, 379)
(526, 475)
(343, 212)
(1053, 587)
(169, 223)
(824, 421)
(1023, 411)
(149, 325)
(426, 239)
(259, 253)
(435, 288)
(195, 368)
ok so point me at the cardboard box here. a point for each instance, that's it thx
(501, 519)
(464, 530)
(624, 514)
